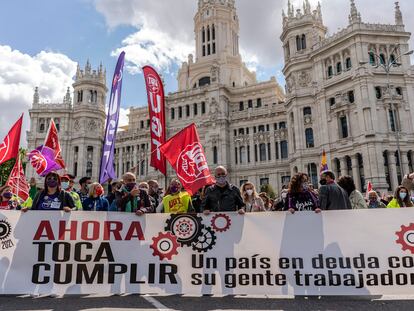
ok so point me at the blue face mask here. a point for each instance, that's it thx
(402, 195)
(221, 180)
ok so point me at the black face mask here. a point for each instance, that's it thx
(323, 182)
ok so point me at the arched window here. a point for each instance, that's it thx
(262, 152)
(338, 67)
(307, 111)
(330, 71)
(243, 158)
(348, 165)
(348, 63)
(387, 170)
(214, 32)
(203, 34)
(215, 155)
(172, 113)
(398, 165)
(337, 164)
(372, 58)
(75, 168)
(378, 92)
(208, 33)
(204, 81)
(298, 43)
(361, 171)
(187, 110)
(351, 97)
(382, 59)
(309, 138)
(284, 149)
(89, 156)
(398, 90)
(303, 41)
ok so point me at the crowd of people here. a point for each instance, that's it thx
(128, 195)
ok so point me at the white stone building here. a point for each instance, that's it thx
(336, 99)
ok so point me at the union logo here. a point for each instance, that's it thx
(38, 161)
(192, 164)
(4, 148)
(153, 85)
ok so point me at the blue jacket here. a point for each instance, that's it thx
(99, 204)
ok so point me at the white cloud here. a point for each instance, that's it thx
(165, 30)
(123, 117)
(20, 73)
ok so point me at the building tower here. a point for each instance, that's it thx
(89, 98)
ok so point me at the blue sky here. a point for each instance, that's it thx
(42, 40)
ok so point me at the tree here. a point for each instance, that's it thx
(7, 166)
(269, 190)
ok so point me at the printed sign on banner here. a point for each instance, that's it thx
(333, 253)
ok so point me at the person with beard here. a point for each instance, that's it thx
(7, 200)
(96, 201)
(134, 200)
(52, 198)
(176, 200)
(83, 192)
(332, 196)
(222, 196)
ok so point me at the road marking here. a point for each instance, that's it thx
(156, 303)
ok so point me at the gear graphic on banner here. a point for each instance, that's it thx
(406, 237)
(187, 228)
(165, 245)
(5, 229)
(205, 241)
(220, 222)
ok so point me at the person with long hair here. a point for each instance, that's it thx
(401, 198)
(96, 201)
(355, 197)
(176, 200)
(52, 198)
(300, 197)
(7, 200)
(251, 199)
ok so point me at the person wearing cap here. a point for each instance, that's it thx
(67, 185)
(52, 198)
(96, 201)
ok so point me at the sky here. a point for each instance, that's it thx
(42, 41)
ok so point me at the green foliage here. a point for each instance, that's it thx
(269, 190)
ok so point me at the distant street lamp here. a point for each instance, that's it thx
(387, 65)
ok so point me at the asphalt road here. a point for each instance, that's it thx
(164, 303)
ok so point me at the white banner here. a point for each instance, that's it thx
(358, 252)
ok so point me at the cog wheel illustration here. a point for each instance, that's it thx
(406, 237)
(165, 245)
(5, 229)
(187, 228)
(220, 222)
(205, 241)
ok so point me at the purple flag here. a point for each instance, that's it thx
(107, 160)
(43, 160)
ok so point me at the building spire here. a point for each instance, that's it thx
(36, 95)
(354, 17)
(398, 15)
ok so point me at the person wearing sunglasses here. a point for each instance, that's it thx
(52, 198)
(222, 196)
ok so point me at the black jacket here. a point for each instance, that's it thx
(333, 197)
(227, 199)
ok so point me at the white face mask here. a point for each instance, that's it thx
(249, 192)
(284, 195)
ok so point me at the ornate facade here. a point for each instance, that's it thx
(337, 99)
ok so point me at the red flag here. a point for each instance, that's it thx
(156, 106)
(186, 155)
(52, 141)
(17, 181)
(9, 149)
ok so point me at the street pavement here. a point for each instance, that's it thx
(227, 303)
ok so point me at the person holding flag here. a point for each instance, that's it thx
(324, 163)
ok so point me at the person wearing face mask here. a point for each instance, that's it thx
(52, 198)
(7, 200)
(300, 197)
(134, 199)
(222, 196)
(67, 184)
(83, 192)
(401, 198)
(332, 196)
(356, 197)
(176, 200)
(373, 200)
(252, 201)
(281, 204)
(154, 193)
(96, 201)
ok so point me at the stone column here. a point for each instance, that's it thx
(355, 172)
(392, 169)
(120, 161)
(343, 166)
